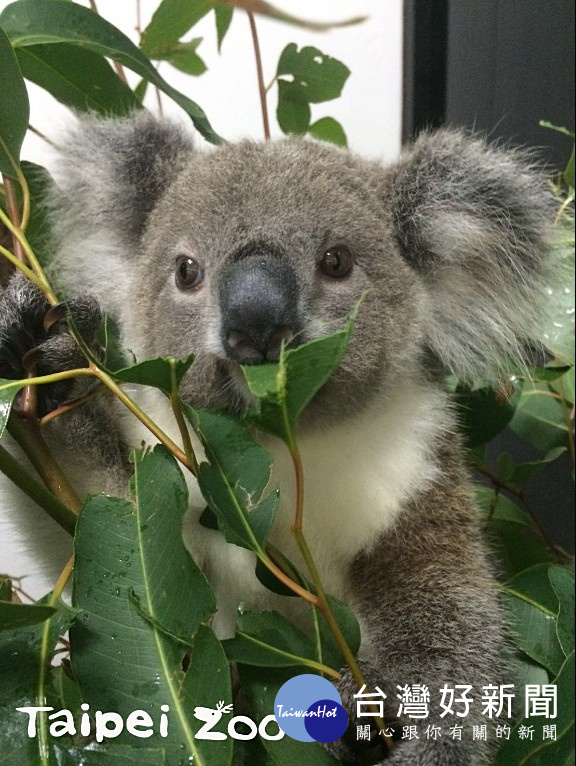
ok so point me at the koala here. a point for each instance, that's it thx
(232, 252)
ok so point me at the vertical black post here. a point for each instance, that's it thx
(425, 62)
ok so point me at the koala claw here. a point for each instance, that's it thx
(34, 337)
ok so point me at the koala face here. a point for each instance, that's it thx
(239, 256)
(227, 254)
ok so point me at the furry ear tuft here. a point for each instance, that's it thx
(475, 222)
(109, 175)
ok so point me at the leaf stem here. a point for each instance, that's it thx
(29, 436)
(36, 491)
(162, 437)
(176, 403)
(261, 85)
(44, 661)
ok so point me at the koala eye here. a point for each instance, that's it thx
(188, 272)
(337, 262)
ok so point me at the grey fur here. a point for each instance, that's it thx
(450, 245)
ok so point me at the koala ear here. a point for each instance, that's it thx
(109, 173)
(474, 221)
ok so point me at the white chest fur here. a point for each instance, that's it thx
(358, 475)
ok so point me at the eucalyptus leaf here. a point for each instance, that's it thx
(234, 478)
(285, 389)
(14, 615)
(346, 619)
(171, 20)
(36, 22)
(562, 580)
(260, 692)
(22, 654)
(182, 56)
(8, 391)
(484, 413)
(122, 550)
(268, 639)
(533, 607)
(156, 372)
(539, 752)
(328, 129)
(104, 755)
(77, 77)
(224, 16)
(320, 76)
(14, 107)
(293, 111)
(539, 418)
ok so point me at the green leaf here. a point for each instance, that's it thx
(293, 112)
(562, 580)
(38, 231)
(182, 56)
(328, 129)
(498, 507)
(35, 22)
(539, 752)
(267, 639)
(557, 128)
(8, 391)
(14, 615)
(321, 77)
(14, 107)
(539, 418)
(330, 653)
(260, 691)
(557, 333)
(533, 606)
(103, 755)
(284, 390)
(223, 15)
(569, 172)
(22, 654)
(156, 372)
(234, 479)
(171, 20)
(135, 549)
(521, 472)
(483, 412)
(77, 77)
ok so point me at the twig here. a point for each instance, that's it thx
(518, 493)
(261, 85)
(14, 213)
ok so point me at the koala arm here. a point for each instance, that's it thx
(424, 625)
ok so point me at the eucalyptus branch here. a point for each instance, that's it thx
(44, 663)
(36, 491)
(13, 212)
(261, 86)
(29, 436)
(322, 600)
(518, 493)
(162, 437)
(176, 403)
(39, 278)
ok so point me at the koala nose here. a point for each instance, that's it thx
(258, 301)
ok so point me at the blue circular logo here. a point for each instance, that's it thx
(309, 708)
(326, 720)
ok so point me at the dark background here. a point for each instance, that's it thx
(499, 66)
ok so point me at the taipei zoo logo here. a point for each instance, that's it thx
(307, 708)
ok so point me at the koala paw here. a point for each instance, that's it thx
(351, 749)
(34, 337)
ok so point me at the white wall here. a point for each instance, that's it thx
(369, 110)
